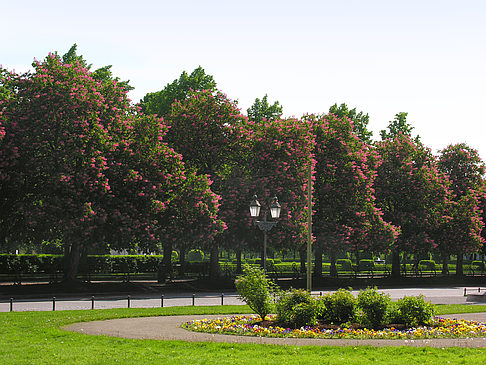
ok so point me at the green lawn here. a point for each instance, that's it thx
(36, 338)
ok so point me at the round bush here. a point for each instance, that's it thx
(427, 265)
(304, 314)
(286, 303)
(338, 307)
(478, 265)
(366, 264)
(374, 306)
(412, 311)
(195, 255)
(345, 264)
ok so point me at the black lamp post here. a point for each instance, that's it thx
(265, 225)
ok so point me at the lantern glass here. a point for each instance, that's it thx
(255, 207)
(275, 209)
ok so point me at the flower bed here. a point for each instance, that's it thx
(253, 326)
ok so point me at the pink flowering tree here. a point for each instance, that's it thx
(346, 217)
(90, 169)
(462, 232)
(412, 194)
(279, 165)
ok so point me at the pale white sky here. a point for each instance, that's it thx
(427, 57)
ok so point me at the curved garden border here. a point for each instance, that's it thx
(169, 328)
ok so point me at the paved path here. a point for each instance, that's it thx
(437, 295)
(168, 328)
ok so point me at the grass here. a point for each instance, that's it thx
(37, 338)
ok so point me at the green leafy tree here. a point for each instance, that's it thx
(360, 120)
(160, 102)
(411, 193)
(397, 126)
(261, 110)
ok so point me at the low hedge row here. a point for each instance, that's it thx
(106, 264)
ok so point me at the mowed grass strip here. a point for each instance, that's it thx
(37, 338)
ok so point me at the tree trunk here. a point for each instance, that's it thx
(395, 264)
(165, 268)
(459, 264)
(182, 260)
(318, 261)
(303, 256)
(72, 256)
(333, 270)
(238, 261)
(214, 263)
(357, 260)
(445, 264)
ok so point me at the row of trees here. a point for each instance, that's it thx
(82, 166)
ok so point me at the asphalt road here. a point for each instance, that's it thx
(439, 295)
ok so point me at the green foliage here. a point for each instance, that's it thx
(338, 307)
(360, 120)
(366, 264)
(427, 265)
(345, 264)
(478, 265)
(304, 314)
(374, 306)
(160, 102)
(261, 109)
(287, 303)
(397, 126)
(411, 311)
(195, 255)
(256, 290)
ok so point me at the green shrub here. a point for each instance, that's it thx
(287, 301)
(412, 311)
(345, 264)
(374, 306)
(175, 256)
(256, 290)
(427, 265)
(338, 307)
(366, 264)
(477, 265)
(304, 314)
(195, 255)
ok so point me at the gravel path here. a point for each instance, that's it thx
(168, 328)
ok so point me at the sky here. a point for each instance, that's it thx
(382, 57)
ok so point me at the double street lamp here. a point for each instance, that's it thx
(265, 225)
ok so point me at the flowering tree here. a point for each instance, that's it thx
(412, 194)
(345, 213)
(462, 233)
(280, 163)
(360, 121)
(91, 169)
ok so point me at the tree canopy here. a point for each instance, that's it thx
(261, 110)
(160, 102)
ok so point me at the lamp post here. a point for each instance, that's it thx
(265, 225)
